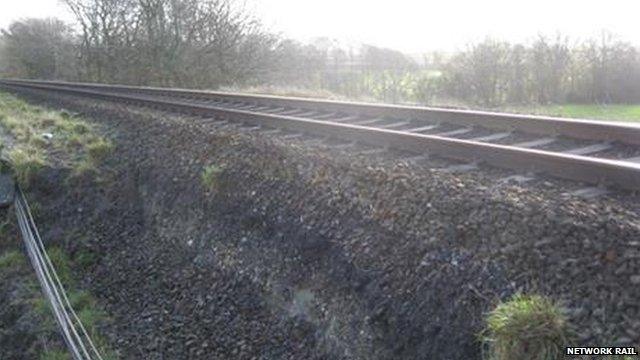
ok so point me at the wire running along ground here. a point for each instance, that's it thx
(73, 332)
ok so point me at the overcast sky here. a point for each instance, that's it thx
(416, 25)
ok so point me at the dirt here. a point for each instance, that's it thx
(300, 251)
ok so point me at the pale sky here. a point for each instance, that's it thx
(415, 26)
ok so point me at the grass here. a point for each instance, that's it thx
(85, 166)
(84, 259)
(32, 135)
(211, 176)
(27, 163)
(55, 355)
(98, 149)
(36, 132)
(88, 311)
(11, 260)
(85, 306)
(61, 263)
(290, 91)
(612, 112)
(527, 327)
(615, 112)
(14, 267)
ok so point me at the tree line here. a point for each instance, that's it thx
(216, 43)
(598, 70)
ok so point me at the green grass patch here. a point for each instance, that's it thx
(85, 306)
(614, 112)
(290, 91)
(62, 264)
(84, 167)
(37, 132)
(527, 327)
(25, 296)
(55, 355)
(11, 260)
(27, 163)
(85, 259)
(99, 149)
(211, 176)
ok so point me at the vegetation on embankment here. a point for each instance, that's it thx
(29, 327)
(37, 142)
(211, 176)
(34, 137)
(527, 328)
(304, 242)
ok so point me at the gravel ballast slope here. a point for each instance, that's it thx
(304, 252)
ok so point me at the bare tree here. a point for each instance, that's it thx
(611, 70)
(103, 24)
(39, 48)
(518, 77)
(4, 61)
(480, 74)
(200, 43)
(213, 43)
(549, 63)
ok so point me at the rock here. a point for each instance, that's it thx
(7, 190)
(371, 240)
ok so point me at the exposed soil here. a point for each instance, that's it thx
(304, 252)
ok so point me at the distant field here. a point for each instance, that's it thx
(617, 112)
(600, 112)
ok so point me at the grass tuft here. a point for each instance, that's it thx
(91, 317)
(527, 327)
(11, 260)
(55, 355)
(99, 149)
(85, 167)
(211, 176)
(10, 122)
(39, 132)
(85, 259)
(81, 128)
(84, 304)
(26, 164)
(61, 263)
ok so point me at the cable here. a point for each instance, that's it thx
(76, 338)
(58, 282)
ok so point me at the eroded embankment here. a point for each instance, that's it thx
(292, 250)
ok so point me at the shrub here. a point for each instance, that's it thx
(527, 327)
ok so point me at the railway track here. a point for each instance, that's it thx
(599, 153)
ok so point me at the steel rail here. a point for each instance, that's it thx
(616, 173)
(541, 125)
